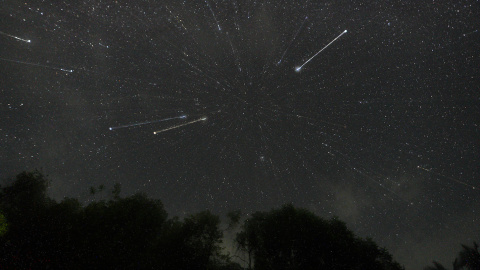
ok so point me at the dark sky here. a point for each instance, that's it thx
(381, 128)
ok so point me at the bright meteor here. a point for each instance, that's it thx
(297, 69)
(148, 122)
(17, 38)
(181, 125)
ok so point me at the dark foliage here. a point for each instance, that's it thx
(436, 266)
(134, 233)
(291, 238)
(467, 259)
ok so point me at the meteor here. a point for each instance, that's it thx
(37, 65)
(181, 125)
(293, 39)
(448, 177)
(148, 122)
(214, 17)
(17, 38)
(299, 68)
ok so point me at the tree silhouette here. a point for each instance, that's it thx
(291, 238)
(436, 266)
(24, 205)
(468, 258)
(194, 243)
(117, 188)
(125, 229)
(233, 218)
(3, 225)
(135, 233)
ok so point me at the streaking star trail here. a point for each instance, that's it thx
(214, 17)
(15, 37)
(148, 122)
(448, 177)
(84, 81)
(181, 125)
(297, 69)
(293, 39)
(37, 65)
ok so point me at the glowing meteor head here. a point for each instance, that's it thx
(110, 128)
(29, 41)
(345, 31)
(203, 118)
(183, 116)
(297, 69)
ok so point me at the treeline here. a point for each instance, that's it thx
(135, 232)
(468, 258)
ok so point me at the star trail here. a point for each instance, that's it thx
(359, 109)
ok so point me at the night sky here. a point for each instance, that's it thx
(380, 128)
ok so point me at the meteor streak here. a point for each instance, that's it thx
(448, 177)
(37, 65)
(148, 122)
(17, 38)
(181, 125)
(297, 69)
(293, 39)
(218, 25)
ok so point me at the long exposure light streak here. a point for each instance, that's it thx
(297, 69)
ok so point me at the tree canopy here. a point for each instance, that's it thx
(292, 238)
(135, 232)
(467, 259)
